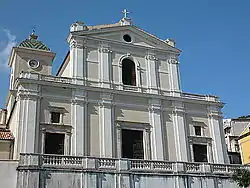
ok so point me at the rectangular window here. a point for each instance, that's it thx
(227, 130)
(200, 153)
(55, 117)
(237, 147)
(197, 130)
(54, 143)
(132, 144)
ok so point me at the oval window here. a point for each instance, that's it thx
(127, 38)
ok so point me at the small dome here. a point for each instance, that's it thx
(33, 43)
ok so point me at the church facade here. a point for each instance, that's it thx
(115, 104)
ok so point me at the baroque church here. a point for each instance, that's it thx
(114, 115)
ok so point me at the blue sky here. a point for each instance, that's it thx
(213, 35)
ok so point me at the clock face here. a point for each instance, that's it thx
(33, 63)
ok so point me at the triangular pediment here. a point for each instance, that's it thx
(138, 36)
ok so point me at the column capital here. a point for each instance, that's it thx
(77, 44)
(177, 111)
(77, 101)
(214, 115)
(106, 99)
(152, 57)
(173, 60)
(178, 107)
(155, 109)
(26, 95)
(105, 50)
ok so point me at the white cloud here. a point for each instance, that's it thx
(6, 50)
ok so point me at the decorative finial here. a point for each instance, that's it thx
(32, 35)
(125, 12)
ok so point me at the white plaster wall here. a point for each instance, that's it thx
(13, 124)
(132, 115)
(45, 110)
(93, 123)
(92, 63)
(8, 173)
(66, 72)
(74, 179)
(22, 59)
(5, 149)
(131, 100)
(169, 136)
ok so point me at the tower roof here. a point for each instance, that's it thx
(33, 43)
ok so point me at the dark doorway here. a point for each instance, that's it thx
(54, 143)
(132, 144)
(128, 72)
(200, 153)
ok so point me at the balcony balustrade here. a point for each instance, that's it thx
(136, 165)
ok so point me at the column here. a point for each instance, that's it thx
(152, 73)
(180, 132)
(77, 59)
(191, 151)
(105, 65)
(106, 125)
(43, 136)
(174, 75)
(210, 153)
(216, 130)
(67, 143)
(79, 136)
(155, 118)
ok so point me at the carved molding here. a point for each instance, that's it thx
(197, 139)
(152, 57)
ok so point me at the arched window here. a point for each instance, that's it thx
(128, 72)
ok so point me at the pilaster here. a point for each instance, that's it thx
(180, 131)
(174, 74)
(106, 125)
(105, 65)
(77, 58)
(155, 118)
(152, 73)
(216, 130)
(80, 141)
(28, 123)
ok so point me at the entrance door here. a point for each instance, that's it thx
(200, 153)
(54, 143)
(132, 144)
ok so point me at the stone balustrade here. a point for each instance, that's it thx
(211, 98)
(132, 165)
(64, 80)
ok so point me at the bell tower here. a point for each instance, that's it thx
(31, 55)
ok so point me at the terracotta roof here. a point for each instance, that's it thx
(6, 135)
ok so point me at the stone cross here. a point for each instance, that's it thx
(125, 12)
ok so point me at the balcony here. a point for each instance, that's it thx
(130, 165)
(76, 81)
